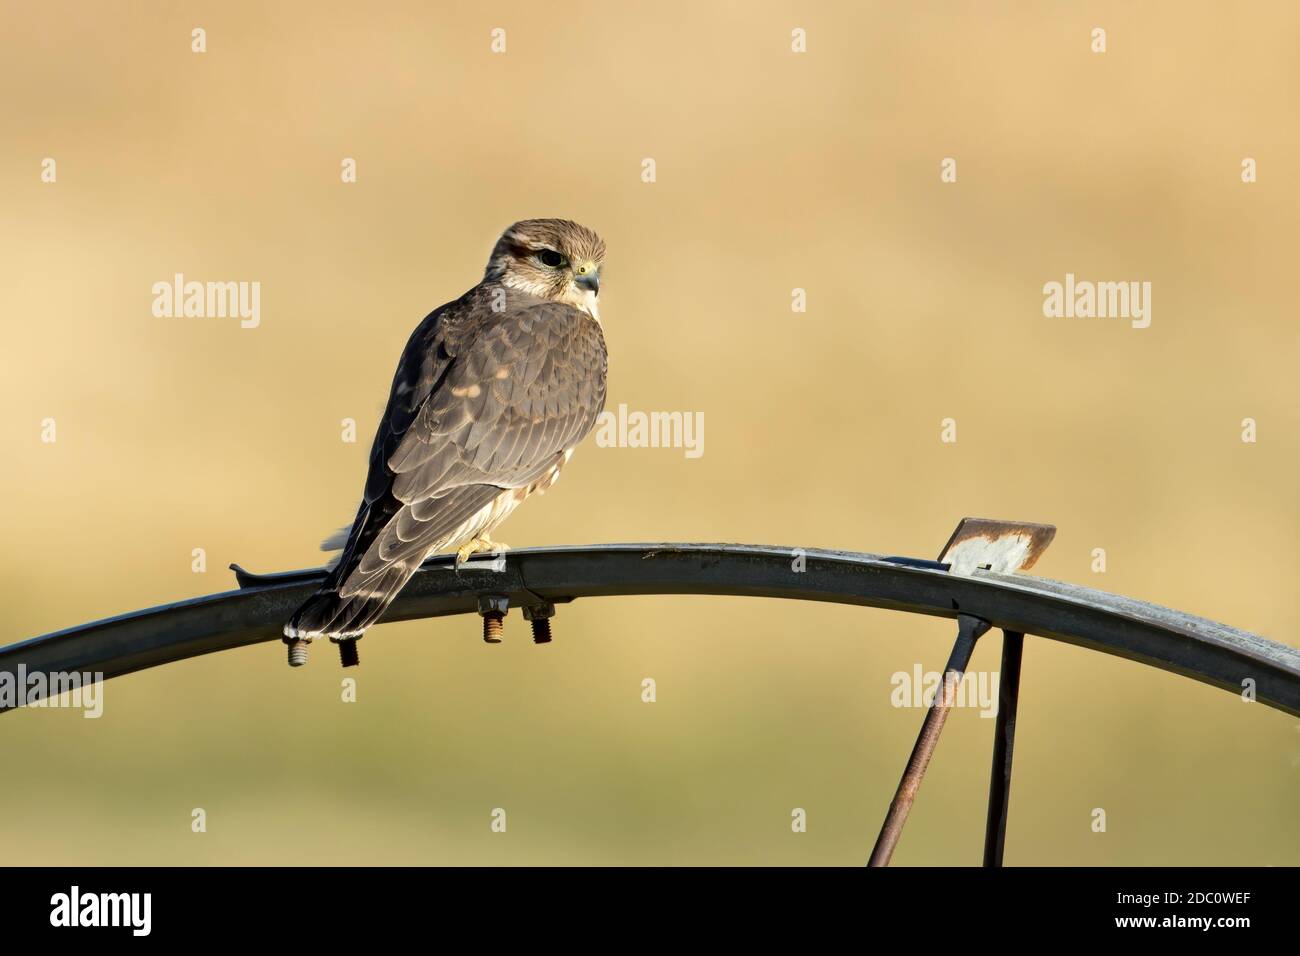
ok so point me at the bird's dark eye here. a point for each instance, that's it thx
(549, 257)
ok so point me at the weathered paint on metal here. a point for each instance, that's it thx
(991, 545)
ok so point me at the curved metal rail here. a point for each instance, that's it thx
(1170, 640)
(538, 579)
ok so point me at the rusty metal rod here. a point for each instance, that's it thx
(1004, 741)
(968, 631)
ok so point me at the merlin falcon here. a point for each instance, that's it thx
(492, 393)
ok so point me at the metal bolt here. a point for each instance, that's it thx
(298, 651)
(540, 615)
(348, 656)
(542, 631)
(493, 608)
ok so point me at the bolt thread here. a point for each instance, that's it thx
(493, 627)
(348, 655)
(541, 630)
(298, 652)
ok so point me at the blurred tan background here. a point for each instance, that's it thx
(775, 170)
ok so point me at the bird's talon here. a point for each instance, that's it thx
(480, 545)
(464, 552)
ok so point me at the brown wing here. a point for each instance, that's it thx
(481, 402)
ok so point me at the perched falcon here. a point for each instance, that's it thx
(491, 395)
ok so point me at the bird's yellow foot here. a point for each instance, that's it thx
(479, 545)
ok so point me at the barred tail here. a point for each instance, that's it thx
(329, 613)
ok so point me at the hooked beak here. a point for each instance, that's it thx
(588, 277)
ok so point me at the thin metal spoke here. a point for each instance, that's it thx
(1004, 740)
(968, 631)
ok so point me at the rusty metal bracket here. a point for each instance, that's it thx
(976, 544)
(985, 544)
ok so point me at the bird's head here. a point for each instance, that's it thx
(553, 259)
